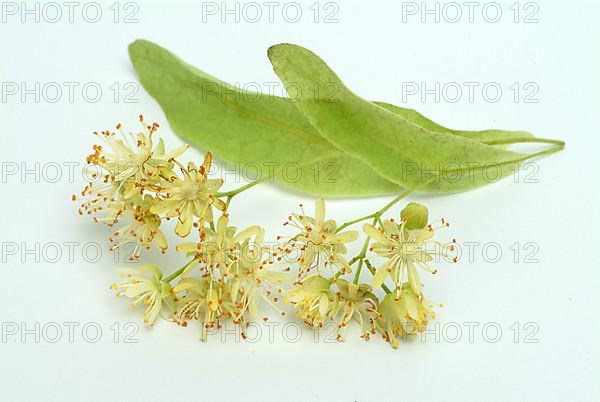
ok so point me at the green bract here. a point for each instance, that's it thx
(489, 137)
(397, 149)
(259, 132)
(327, 142)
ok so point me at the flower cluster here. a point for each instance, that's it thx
(404, 246)
(134, 179)
(136, 186)
(229, 274)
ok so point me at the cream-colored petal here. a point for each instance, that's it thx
(246, 233)
(380, 275)
(352, 291)
(390, 228)
(160, 240)
(260, 237)
(344, 237)
(323, 305)
(139, 289)
(176, 152)
(213, 185)
(159, 149)
(342, 261)
(422, 235)
(153, 310)
(188, 247)
(151, 268)
(411, 305)
(307, 258)
(200, 208)
(319, 212)
(413, 278)
(222, 228)
(184, 227)
(375, 234)
(277, 277)
(185, 284)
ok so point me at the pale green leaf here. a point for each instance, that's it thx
(261, 131)
(265, 135)
(397, 149)
(485, 136)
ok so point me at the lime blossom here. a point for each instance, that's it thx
(317, 243)
(146, 285)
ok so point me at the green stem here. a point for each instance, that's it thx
(352, 222)
(360, 256)
(377, 214)
(232, 193)
(559, 146)
(178, 272)
(526, 140)
(357, 274)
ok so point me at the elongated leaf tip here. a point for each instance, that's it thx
(281, 47)
(140, 46)
(272, 50)
(138, 43)
(135, 46)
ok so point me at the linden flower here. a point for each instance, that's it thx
(355, 302)
(145, 284)
(313, 300)
(142, 228)
(204, 300)
(191, 197)
(405, 250)
(219, 248)
(404, 315)
(252, 281)
(126, 166)
(318, 241)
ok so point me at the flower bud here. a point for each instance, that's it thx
(415, 215)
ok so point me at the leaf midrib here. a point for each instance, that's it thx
(297, 132)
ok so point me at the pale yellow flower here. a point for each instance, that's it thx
(125, 166)
(234, 286)
(145, 284)
(355, 302)
(204, 300)
(403, 316)
(405, 250)
(318, 243)
(313, 300)
(251, 279)
(219, 248)
(142, 227)
(191, 197)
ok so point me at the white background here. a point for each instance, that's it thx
(375, 52)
